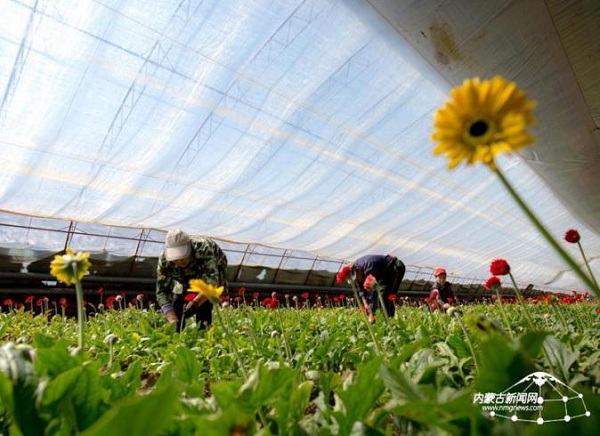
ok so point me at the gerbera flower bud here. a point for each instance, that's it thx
(572, 236)
(111, 339)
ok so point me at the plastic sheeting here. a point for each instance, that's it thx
(294, 124)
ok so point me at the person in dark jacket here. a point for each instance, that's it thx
(388, 271)
(183, 259)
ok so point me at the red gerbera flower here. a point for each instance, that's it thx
(370, 282)
(344, 274)
(241, 291)
(492, 281)
(63, 302)
(305, 295)
(255, 295)
(499, 267)
(100, 291)
(29, 299)
(572, 236)
(110, 301)
(392, 297)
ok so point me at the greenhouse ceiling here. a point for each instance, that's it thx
(301, 125)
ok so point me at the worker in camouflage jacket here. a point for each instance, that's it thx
(185, 258)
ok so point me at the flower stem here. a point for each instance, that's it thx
(366, 318)
(536, 222)
(80, 314)
(464, 329)
(503, 312)
(560, 317)
(288, 353)
(387, 319)
(520, 298)
(231, 342)
(587, 264)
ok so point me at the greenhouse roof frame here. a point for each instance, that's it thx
(301, 125)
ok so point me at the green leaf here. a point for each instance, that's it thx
(452, 416)
(401, 386)
(560, 355)
(230, 422)
(407, 351)
(54, 360)
(225, 393)
(359, 397)
(289, 409)
(125, 385)
(18, 385)
(25, 411)
(459, 345)
(76, 396)
(500, 365)
(41, 340)
(138, 416)
(18, 401)
(186, 368)
(531, 343)
(263, 383)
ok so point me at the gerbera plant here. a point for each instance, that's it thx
(70, 268)
(348, 274)
(213, 293)
(483, 119)
(572, 236)
(501, 267)
(494, 284)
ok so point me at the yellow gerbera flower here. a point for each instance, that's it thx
(62, 266)
(199, 286)
(481, 120)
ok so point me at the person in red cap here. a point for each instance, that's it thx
(443, 287)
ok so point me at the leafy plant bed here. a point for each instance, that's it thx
(308, 371)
